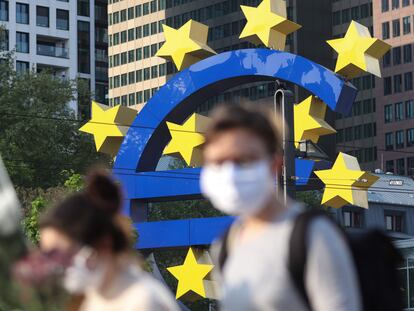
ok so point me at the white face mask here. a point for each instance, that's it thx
(238, 189)
(78, 277)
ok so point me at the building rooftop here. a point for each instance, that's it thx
(392, 189)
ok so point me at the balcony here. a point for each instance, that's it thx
(52, 47)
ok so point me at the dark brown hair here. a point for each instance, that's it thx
(92, 215)
(255, 119)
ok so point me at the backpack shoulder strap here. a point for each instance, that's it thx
(298, 251)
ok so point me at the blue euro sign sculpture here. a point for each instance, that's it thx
(179, 98)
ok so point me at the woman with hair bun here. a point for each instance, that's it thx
(89, 227)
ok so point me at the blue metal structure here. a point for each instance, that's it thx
(146, 139)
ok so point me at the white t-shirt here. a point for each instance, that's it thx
(132, 290)
(255, 275)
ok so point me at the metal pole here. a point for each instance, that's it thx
(284, 100)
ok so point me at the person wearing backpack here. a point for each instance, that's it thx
(242, 157)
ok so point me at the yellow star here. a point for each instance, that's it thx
(186, 138)
(345, 183)
(309, 120)
(268, 24)
(191, 275)
(109, 126)
(358, 52)
(187, 45)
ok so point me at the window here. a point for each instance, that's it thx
(336, 18)
(116, 38)
(395, 4)
(368, 106)
(396, 28)
(408, 54)
(22, 67)
(147, 74)
(123, 15)
(408, 81)
(131, 56)
(399, 139)
(83, 10)
(154, 72)
(146, 51)
(385, 30)
(409, 109)
(397, 83)
(410, 166)
(358, 132)
(346, 16)
(366, 82)
(138, 53)
(115, 17)
(386, 60)
(365, 10)
(131, 13)
(138, 32)
(388, 114)
(124, 36)
(4, 10)
(147, 95)
(355, 13)
(387, 86)
(389, 141)
(131, 100)
(145, 9)
(154, 28)
(42, 16)
(399, 112)
(405, 2)
(162, 70)
(385, 5)
(154, 49)
(368, 130)
(131, 77)
(62, 19)
(124, 58)
(153, 6)
(124, 79)
(400, 166)
(389, 166)
(139, 98)
(124, 100)
(4, 40)
(352, 219)
(340, 136)
(131, 34)
(138, 10)
(146, 30)
(84, 63)
(406, 25)
(22, 13)
(396, 55)
(394, 222)
(410, 137)
(348, 134)
(138, 75)
(22, 42)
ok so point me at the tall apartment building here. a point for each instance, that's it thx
(135, 35)
(69, 38)
(356, 133)
(393, 21)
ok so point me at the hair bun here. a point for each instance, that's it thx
(103, 191)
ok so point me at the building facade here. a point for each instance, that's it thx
(356, 133)
(136, 34)
(393, 21)
(68, 38)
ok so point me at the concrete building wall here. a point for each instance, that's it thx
(393, 156)
(62, 59)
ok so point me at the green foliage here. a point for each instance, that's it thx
(74, 183)
(312, 199)
(31, 221)
(39, 135)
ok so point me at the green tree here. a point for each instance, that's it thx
(39, 135)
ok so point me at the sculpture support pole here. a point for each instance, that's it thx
(283, 100)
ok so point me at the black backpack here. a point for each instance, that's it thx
(376, 261)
